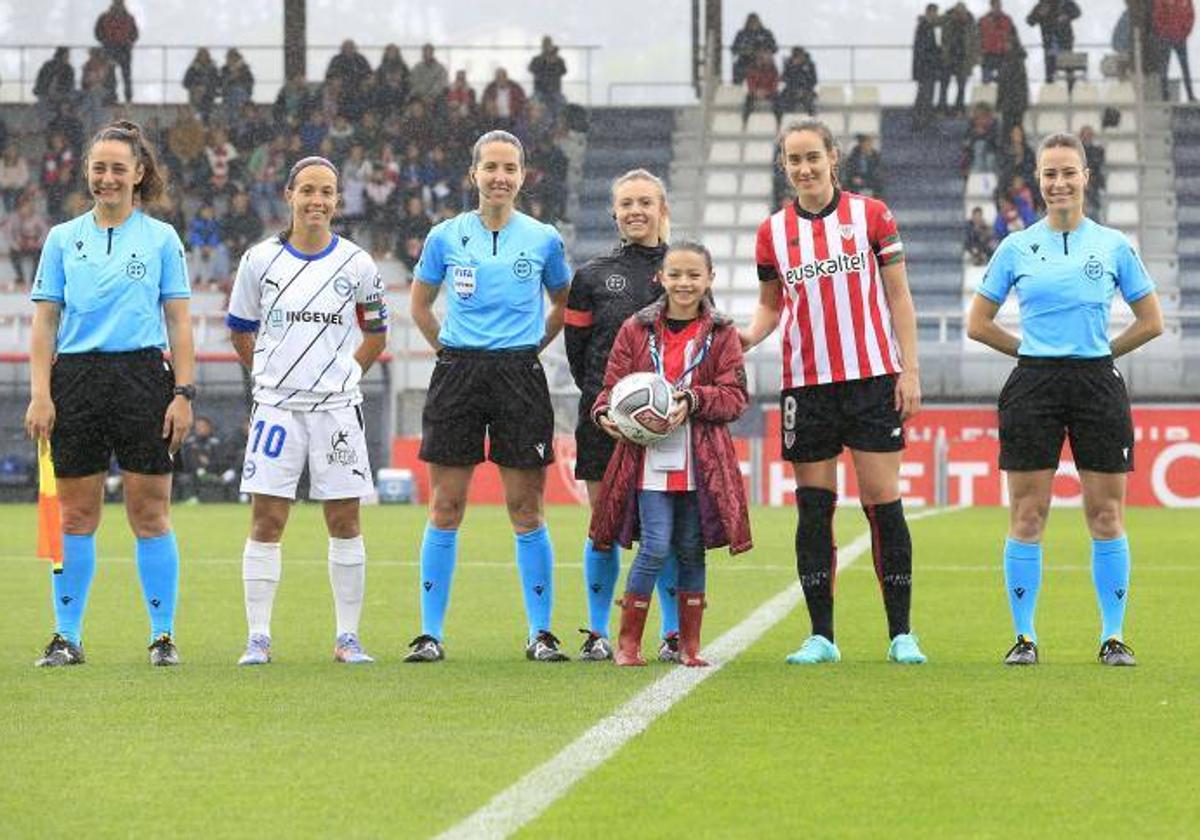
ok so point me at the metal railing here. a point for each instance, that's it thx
(158, 69)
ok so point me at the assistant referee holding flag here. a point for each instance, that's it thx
(1065, 270)
(108, 282)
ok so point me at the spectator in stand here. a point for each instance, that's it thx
(960, 48)
(443, 176)
(237, 84)
(209, 263)
(381, 203)
(97, 87)
(390, 92)
(1017, 158)
(548, 69)
(312, 132)
(503, 100)
(1171, 22)
(1097, 178)
(1054, 17)
(413, 173)
(58, 168)
(799, 83)
(552, 191)
(186, 141)
(748, 43)
(117, 32)
(341, 136)
(221, 158)
(26, 229)
(55, 83)
(428, 79)
(416, 125)
(267, 171)
(250, 129)
(241, 227)
(292, 102)
(458, 132)
(202, 81)
(208, 472)
(1020, 193)
(928, 66)
(14, 176)
(1012, 216)
(350, 66)
(414, 225)
(864, 168)
(762, 86)
(997, 37)
(535, 125)
(392, 62)
(356, 172)
(980, 241)
(461, 94)
(67, 123)
(981, 144)
(1012, 87)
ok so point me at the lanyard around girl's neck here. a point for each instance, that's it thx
(656, 357)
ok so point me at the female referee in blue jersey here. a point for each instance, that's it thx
(1066, 269)
(107, 283)
(488, 385)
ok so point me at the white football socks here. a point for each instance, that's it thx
(261, 566)
(348, 577)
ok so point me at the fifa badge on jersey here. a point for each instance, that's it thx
(464, 280)
(340, 450)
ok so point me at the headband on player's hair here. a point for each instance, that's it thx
(304, 163)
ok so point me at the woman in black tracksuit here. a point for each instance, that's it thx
(607, 290)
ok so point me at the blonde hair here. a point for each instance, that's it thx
(664, 219)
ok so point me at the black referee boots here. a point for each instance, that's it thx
(60, 652)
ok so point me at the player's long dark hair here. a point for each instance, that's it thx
(827, 140)
(153, 184)
(297, 167)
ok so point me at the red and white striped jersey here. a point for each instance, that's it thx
(679, 350)
(835, 320)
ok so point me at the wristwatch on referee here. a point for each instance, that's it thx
(188, 392)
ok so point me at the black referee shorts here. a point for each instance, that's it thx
(819, 420)
(110, 403)
(593, 447)
(500, 396)
(1083, 400)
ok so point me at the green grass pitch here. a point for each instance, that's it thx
(306, 748)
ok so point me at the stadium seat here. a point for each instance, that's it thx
(745, 277)
(751, 213)
(761, 124)
(742, 305)
(722, 183)
(719, 214)
(836, 120)
(725, 151)
(972, 277)
(756, 184)
(1080, 118)
(831, 95)
(1123, 184)
(1122, 213)
(864, 94)
(981, 186)
(1120, 93)
(863, 122)
(983, 93)
(723, 275)
(720, 245)
(728, 95)
(1051, 122)
(1127, 125)
(759, 152)
(726, 122)
(1121, 153)
(745, 243)
(1053, 94)
(1086, 93)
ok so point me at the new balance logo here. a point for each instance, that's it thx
(1019, 592)
(428, 585)
(539, 589)
(1120, 593)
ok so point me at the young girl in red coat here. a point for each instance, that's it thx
(685, 491)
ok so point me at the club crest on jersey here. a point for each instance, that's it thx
(1094, 269)
(340, 451)
(616, 283)
(464, 281)
(842, 263)
(343, 286)
(135, 269)
(249, 469)
(523, 268)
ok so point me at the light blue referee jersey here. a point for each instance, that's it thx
(494, 279)
(1065, 281)
(111, 282)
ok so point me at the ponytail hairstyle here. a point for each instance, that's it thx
(822, 130)
(496, 136)
(664, 219)
(153, 185)
(1063, 140)
(294, 172)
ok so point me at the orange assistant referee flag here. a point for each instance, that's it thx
(50, 542)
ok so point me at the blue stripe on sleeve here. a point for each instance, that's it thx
(240, 324)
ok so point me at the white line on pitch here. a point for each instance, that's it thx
(533, 793)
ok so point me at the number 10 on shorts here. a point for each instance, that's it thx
(273, 445)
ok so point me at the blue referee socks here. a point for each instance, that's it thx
(1110, 574)
(439, 551)
(1023, 577)
(158, 570)
(535, 561)
(72, 584)
(600, 571)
